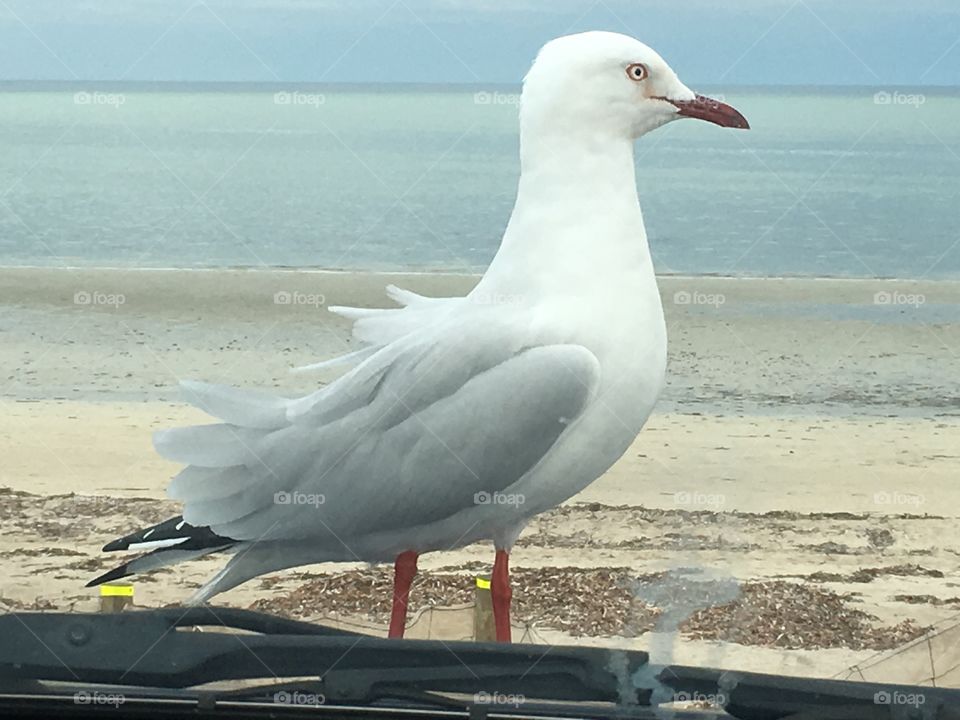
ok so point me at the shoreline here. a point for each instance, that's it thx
(42, 285)
(435, 271)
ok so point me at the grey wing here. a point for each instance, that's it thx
(433, 429)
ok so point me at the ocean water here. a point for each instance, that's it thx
(828, 182)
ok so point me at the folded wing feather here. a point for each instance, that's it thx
(377, 327)
(406, 438)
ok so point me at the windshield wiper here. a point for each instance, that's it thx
(143, 651)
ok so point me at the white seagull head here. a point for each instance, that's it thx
(610, 84)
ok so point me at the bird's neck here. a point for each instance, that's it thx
(577, 212)
(558, 154)
(592, 174)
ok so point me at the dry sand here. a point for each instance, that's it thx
(805, 453)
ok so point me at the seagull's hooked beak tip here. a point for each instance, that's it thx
(704, 108)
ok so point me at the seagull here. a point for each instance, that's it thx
(464, 417)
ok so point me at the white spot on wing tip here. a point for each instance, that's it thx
(156, 544)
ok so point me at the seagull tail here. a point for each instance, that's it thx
(170, 542)
(150, 561)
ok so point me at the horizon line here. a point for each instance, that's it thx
(279, 84)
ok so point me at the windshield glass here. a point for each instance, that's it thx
(304, 312)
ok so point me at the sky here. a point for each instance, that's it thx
(732, 42)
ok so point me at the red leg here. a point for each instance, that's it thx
(500, 595)
(404, 570)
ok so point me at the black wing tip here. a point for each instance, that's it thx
(190, 537)
(163, 530)
(115, 574)
(114, 545)
(185, 537)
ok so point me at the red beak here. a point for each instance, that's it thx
(711, 110)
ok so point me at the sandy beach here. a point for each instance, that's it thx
(805, 453)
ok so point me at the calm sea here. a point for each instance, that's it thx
(828, 182)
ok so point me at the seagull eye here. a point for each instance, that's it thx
(637, 71)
